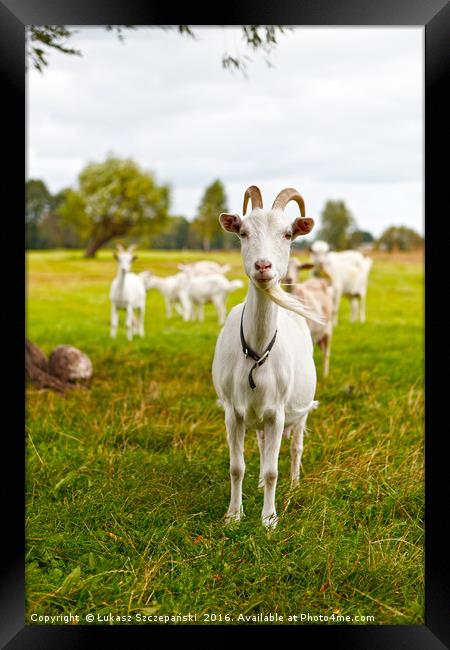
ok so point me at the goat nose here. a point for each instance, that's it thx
(263, 265)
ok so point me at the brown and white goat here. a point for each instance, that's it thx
(317, 293)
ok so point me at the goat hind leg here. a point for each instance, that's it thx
(326, 355)
(297, 450)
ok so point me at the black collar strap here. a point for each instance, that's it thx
(246, 349)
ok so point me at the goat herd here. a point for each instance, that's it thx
(186, 291)
(263, 368)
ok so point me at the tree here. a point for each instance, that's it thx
(301, 243)
(337, 224)
(37, 204)
(114, 198)
(173, 236)
(214, 202)
(42, 39)
(54, 232)
(399, 238)
(359, 237)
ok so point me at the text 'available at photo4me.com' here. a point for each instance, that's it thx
(109, 618)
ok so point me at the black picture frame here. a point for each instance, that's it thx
(434, 16)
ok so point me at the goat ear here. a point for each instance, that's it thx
(302, 226)
(116, 257)
(134, 258)
(304, 267)
(230, 222)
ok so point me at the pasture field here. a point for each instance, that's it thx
(127, 480)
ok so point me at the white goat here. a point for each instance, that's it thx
(210, 288)
(204, 267)
(318, 293)
(171, 288)
(127, 292)
(281, 394)
(348, 272)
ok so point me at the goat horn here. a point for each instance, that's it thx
(254, 194)
(120, 248)
(131, 248)
(289, 194)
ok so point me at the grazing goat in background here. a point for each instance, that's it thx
(171, 288)
(127, 292)
(211, 288)
(204, 267)
(263, 368)
(319, 294)
(189, 291)
(348, 272)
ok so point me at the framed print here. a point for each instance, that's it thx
(229, 229)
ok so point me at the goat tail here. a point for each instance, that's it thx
(311, 407)
(301, 413)
(307, 409)
(292, 303)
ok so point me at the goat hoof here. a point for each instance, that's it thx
(270, 521)
(233, 517)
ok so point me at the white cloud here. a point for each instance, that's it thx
(340, 116)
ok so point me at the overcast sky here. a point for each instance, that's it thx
(339, 116)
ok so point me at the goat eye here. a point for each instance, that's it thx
(243, 233)
(288, 235)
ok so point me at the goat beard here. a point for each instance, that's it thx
(290, 302)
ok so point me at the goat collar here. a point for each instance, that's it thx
(247, 350)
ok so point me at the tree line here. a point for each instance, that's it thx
(117, 199)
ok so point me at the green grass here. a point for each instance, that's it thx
(127, 480)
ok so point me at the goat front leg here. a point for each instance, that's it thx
(219, 304)
(355, 302)
(141, 321)
(129, 322)
(336, 304)
(186, 306)
(235, 436)
(114, 321)
(178, 308)
(135, 324)
(362, 308)
(273, 431)
(260, 436)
